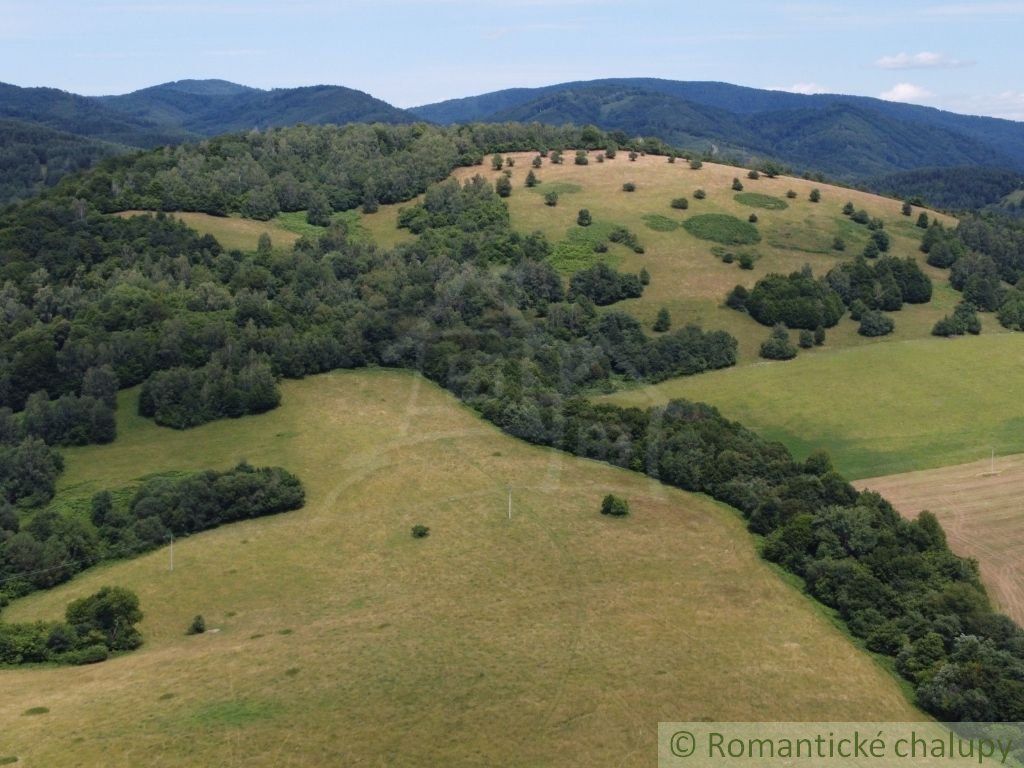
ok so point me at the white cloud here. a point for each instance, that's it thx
(922, 60)
(906, 92)
(805, 88)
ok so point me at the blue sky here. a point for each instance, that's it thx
(961, 56)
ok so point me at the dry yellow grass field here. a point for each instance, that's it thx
(232, 232)
(558, 637)
(979, 505)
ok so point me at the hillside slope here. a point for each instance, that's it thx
(557, 637)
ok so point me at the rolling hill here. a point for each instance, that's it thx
(208, 108)
(190, 109)
(557, 637)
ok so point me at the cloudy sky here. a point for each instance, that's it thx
(959, 56)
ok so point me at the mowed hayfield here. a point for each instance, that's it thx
(979, 505)
(687, 277)
(559, 637)
(878, 409)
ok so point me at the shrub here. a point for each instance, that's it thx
(611, 150)
(696, 164)
(583, 218)
(551, 199)
(503, 186)
(645, 276)
(848, 209)
(737, 298)
(497, 161)
(680, 203)
(839, 244)
(629, 186)
(922, 220)
(815, 196)
(581, 157)
(555, 157)
(806, 339)
(197, 627)
(746, 261)
(633, 156)
(614, 506)
(663, 321)
(91, 654)
(819, 336)
(861, 216)
(963, 320)
(737, 185)
(753, 175)
(537, 162)
(699, 194)
(420, 531)
(752, 218)
(778, 346)
(875, 323)
(907, 209)
(791, 194)
(531, 179)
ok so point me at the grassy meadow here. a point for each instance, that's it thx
(687, 275)
(557, 637)
(979, 507)
(878, 409)
(238, 233)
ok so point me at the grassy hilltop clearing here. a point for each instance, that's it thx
(559, 637)
(687, 276)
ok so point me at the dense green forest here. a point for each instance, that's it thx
(965, 188)
(477, 308)
(33, 157)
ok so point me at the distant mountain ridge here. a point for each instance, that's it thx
(772, 115)
(851, 138)
(191, 109)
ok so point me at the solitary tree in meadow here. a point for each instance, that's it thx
(663, 321)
